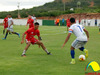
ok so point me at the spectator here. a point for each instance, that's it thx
(63, 22)
(57, 21)
(89, 22)
(99, 28)
(96, 22)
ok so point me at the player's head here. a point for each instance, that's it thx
(36, 25)
(72, 20)
(9, 15)
(29, 16)
(33, 15)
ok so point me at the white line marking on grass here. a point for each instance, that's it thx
(55, 33)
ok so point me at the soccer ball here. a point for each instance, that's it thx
(82, 57)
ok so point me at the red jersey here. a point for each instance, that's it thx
(31, 32)
(68, 22)
(6, 21)
(30, 22)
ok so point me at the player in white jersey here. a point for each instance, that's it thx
(82, 38)
(99, 28)
(10, 27)
(34, 18)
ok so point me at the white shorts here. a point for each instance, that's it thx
(78, 44)
(10, 29)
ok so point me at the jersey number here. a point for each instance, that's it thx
(79, 28)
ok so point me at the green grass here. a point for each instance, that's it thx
(37, 62)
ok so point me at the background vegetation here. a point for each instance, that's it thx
(56, 8)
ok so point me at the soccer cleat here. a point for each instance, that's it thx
(3, 38)
(19, 35)
(23, 55)
(73, 61)
(49, 53)
(86, 53)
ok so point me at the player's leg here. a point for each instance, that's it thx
(6, 35)
(4, 29)
(99, 30)
(83, 49)
(67, 28)
(72, 52)
(43, 47)
(15, 33)
(26, 48)
(75, 45)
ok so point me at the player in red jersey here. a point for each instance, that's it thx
(5, 23)
(30, 22)
(68, 23)
(30, 33)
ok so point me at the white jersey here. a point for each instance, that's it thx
(78, 31)
(34, 18)
(10, 20)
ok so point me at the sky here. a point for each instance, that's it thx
(10, 5)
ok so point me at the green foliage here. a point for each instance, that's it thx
(57, 8)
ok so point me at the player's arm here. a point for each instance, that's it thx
(66, 40)
(23, 38)
(27, 23)
(38, 34)
(87, 33)
(39, 38)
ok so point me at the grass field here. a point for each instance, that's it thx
(37, 62)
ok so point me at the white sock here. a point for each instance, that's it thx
(24, 52)
(46, 51)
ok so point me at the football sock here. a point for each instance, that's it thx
(82, 48)
(3, 31)
(46, 51)
(16, 33)
(24, 52)
(6, 35)
(72, 54)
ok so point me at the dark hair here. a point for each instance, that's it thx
(9, 14)
(36, 23)
(72, 20)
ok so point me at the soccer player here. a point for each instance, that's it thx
(5, 23)
(68, 23)
(10, 27)
(30, 33)
(63, 22)
(58, 21)
(30, 22)
(99, 28)
(82, 38)
(34, 18)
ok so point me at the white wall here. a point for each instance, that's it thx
(21, 21)
(24, 21)
(92, 23)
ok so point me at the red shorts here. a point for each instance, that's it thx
(68, 25)
(5, 26)
(33, 41)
